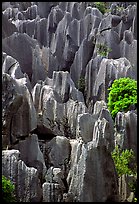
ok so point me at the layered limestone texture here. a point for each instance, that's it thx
(57, 132)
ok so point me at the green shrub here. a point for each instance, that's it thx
(125, 163)
(103, 50)
(101, 6)
(123, 94)
(7, 190)
(122, 160)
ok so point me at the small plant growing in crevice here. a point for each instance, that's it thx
(103, 50)
(81, 84)
(122, 95)
(7, 190)
(101, 6)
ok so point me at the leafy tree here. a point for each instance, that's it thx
(123, 94)
(7, 190)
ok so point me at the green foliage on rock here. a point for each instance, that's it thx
(103, 50)
(125, 164)
(81, 84)
(122, 160)
(7, 190)
(123, 94)
(101, 6)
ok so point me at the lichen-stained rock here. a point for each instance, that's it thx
(18, 112)
(85, 126)
(12, 46)
(31, 154)
(27, 184)
(52, 192)
(95, 183)
(59, 152)
(126, 130)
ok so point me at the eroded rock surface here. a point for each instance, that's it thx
(54, 98)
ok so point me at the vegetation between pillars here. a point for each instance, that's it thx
(7, 190)
(125, 164)
(122, 95)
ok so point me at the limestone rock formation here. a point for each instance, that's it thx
(18, 112)
(86, 166)
(26, 180)
(126, 130)
(58, 61)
